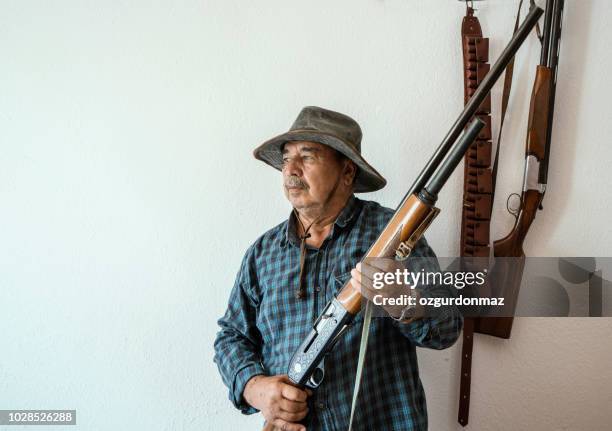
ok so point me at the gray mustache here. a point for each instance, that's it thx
(294, 181)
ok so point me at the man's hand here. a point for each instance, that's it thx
(279, 400)
(362, 281)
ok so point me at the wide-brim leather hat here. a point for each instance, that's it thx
(330, 128)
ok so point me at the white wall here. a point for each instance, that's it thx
(128, 192)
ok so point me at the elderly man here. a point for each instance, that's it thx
(292, 271)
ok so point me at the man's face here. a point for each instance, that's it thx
(312, 173)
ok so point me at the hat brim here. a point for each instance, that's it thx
(367, 178)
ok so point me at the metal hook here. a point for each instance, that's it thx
(469, 4)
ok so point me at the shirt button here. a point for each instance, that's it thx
(321, 406)
(318, 289)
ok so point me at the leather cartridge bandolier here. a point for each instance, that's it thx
(479, 188)
(477, 193)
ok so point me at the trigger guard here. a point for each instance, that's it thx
(317, 377)
(509, 208)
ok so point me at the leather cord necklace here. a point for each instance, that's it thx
(301, 291)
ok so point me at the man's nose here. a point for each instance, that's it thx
(292, 167)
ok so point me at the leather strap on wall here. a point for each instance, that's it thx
(479, 191)
(478, 185)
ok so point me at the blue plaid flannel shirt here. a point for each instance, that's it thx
(265, 323)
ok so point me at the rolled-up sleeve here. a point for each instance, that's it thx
(438, 332)
(238, 342)
(442, 329)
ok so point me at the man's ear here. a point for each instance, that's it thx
(349, 171)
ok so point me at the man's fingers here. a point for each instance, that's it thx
(291, 392)
(292, 406)
(294, 394)
(291, 417)
(380, 265)
(364, 287)
(283, 425)
(367, 273)
(355, 280)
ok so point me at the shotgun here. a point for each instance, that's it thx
(537, 151)
(411, 219)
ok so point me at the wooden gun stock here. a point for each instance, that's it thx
(512, 244)
(539, 111)
(509, 276)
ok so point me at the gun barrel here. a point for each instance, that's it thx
(548, 20)
(476, 100)
(553, 64)
(455, 155)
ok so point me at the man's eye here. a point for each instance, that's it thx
(307, 157)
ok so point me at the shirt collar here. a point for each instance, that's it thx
(349, 211)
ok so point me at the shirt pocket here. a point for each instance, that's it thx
(339, 280)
